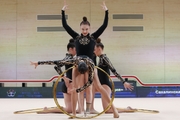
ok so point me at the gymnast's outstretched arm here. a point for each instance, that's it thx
(55, 62)
(111, 67)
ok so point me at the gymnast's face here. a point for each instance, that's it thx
(85, 29)
(98, 50)
(72, 51)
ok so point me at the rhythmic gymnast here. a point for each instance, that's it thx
(106, 65)
(81, 67)
(85, 46)
(66, 82)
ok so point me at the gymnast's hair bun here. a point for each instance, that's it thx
(71, 40)
(98, 40)
(84, 19)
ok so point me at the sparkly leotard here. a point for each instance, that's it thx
(106, 65)
(68, 73)
(75, 61)
(85, 44)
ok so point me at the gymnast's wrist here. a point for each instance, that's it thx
(62, 11)
(123, 82)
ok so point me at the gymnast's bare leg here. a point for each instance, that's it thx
(104, 94)
(67, 101)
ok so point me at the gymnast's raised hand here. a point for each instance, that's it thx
(65, 6)
(104, 7)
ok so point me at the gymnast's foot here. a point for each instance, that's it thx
(93, 111)
(131, 109)
(125, 110)
(79, 111)
(116, 114)
(44, 111)
(87, 112)
(72, 117)
(49, 110)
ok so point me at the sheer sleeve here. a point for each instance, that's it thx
(58, 67)
(111, 67)
(57, 62)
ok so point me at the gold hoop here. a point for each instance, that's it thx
(58, 105)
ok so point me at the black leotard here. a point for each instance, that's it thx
(68, 73)
(58, 69)
(106, 65)
(85, 44)
(75, 61)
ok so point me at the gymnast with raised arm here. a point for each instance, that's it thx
(85, 43)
